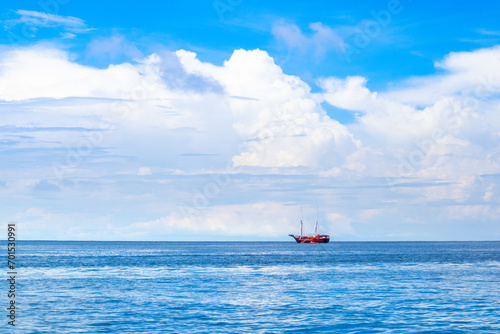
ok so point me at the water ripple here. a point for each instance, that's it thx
(84, 287)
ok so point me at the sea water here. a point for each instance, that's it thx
(256, 287)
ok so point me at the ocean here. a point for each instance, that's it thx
(256, 287)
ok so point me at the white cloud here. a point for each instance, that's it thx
(280, 120)
(488, 32)
(32, 212)
(322, 39)
(144, 171)
(440, 128)
(339, 225)
(68, 35)
(48, 72)
(42, 224)
(265, 219)
(45, 20)
(472, 75)
(478, 212)
(112, 49)
(171, 111)
(262, 219)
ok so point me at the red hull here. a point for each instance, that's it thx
(316, 239)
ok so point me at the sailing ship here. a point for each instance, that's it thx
(316, 238)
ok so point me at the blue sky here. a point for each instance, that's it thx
(218, 120)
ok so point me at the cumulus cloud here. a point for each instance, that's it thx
(475, 75)
(440, 127)
(173, 112)
(279, 122)
(49, 73)
(279, 119)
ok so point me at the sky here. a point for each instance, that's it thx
(233, 120)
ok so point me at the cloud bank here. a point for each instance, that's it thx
(432, 141)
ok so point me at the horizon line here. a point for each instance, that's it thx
(240, 241)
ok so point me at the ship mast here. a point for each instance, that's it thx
(316, 225)
(301, 223)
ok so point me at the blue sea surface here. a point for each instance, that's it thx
(257, 287)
